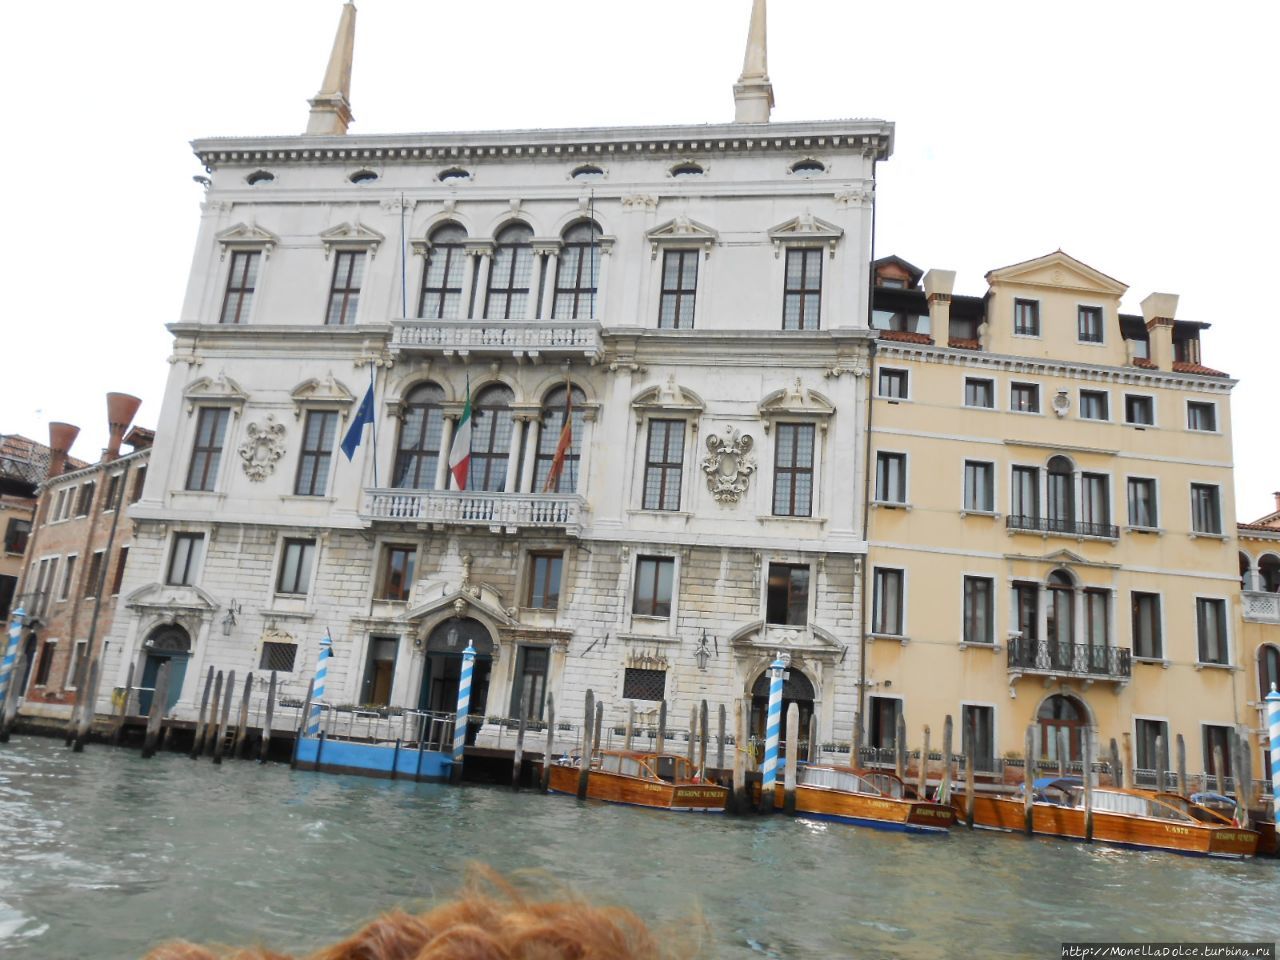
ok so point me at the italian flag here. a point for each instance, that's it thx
(460, 449)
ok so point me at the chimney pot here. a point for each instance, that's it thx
(120, 410)
(1159, 310)
(61, 437)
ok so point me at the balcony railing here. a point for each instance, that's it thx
(467, 508)
(533, 339)
(1261, 607)
(1069, 659)
(1066, 528)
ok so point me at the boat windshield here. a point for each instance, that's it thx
(671, 769)
(886, 784)
(834, 779)
(618, 763)
(1130, 804)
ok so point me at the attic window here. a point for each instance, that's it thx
(454, 173)
(588, 172)
(259, 176)
(687, 170)
(808, 168)
(363, 176)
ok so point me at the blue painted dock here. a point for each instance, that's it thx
(382, 760)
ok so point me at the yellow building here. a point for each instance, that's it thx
(1051, 533)
(1259, 546)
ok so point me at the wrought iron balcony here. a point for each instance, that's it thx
(1261, 607)
(1084, 660)
(497, 511)
(531, 339)
(1061, 527)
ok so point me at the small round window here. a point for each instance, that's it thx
(687, 170)
(363, 176)
(808, 168)
(588, 172)
(259, 176)
(454, 174)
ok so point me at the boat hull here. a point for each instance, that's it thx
(1148, 833)
(640, 792)
(880, 813)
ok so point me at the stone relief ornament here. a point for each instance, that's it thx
(729, 464)
(263, 448)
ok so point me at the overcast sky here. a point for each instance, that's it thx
(1139, 137)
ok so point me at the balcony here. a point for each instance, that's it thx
(521, 339)
(1060, 527)
(1079, 660)
(34, 604)
(498, 511)
(1261, 607)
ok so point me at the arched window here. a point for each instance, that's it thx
(442, 278)
(1060, 501)
(418, 449)
(552, 426)
(1058, 715)
(1061, 622)
(1269, 573)
(490, 438)
(1268, 668)
(577, 273)
(510, 274)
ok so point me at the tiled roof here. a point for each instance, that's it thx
(1180, 366)
(961, 343)
(905, 336)
(28, 460)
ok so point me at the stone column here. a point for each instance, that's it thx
(549, 287)
(482, 282)
(442, 463)
(598, 305)
(530, 456)
(468, 282)
(513, 457)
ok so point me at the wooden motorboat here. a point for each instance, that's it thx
(1131, 818)
(660, 780)
(1226, 808)
(864, 797)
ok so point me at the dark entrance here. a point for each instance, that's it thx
(797, 689)
(443, 668)
(166, 644)
(1061, 713)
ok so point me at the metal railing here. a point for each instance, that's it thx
(1075, 659)
(1065, 527)
(468, 508)
(530, 338)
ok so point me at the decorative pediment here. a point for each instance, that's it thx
(796, 400)
(349, 235)
(219, 389)
(1060, 270)
(247, 236)
(681, 232)
(165, 597)
(465, 602)
(1064, 556)
(805, 230)
(321, 392)
(669, 398)
(812, 639)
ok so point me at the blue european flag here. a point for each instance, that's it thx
(355, 433)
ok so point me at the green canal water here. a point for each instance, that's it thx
(103, 854)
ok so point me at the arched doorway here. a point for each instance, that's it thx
(1059, 713)
(443, 667)
(797, 689)
(171, 644)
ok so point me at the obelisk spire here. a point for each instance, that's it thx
(331, 107)
(753, 93)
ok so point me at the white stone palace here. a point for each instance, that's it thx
(703, 293)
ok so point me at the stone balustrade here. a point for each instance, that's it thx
(522, 339)
(498, 511)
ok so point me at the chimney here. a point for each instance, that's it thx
(120, 410)
(1277, 496)
(938, 285)
(1159, 310)
(61, 437)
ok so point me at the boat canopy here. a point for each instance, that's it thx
(1205, 798)
(1062, 783)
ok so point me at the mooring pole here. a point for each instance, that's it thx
(900, 747)
(1086, 745)
(202, 727)
(549, 749)
(595, 736)
(739, 782)
(922, 775)
(1182, 766)
(971, 728)
(723, 718)
(517, 755)
(228, 694)
(662, 728)
(631, 725)
(1161, 765)
(773, 730)
(158, 696)
(944, 787)
(702, 740)
(211, 731)
(464, 709)
(1117, 772)
(264, 748)
(1029, 781)
(88, 711)
(793, 751)
(10, 714)
(693, 731)
(302, 726)
(584, 760)
(242, 727)
(117, 724)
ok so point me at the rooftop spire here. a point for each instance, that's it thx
(331, 107)
(753, 93)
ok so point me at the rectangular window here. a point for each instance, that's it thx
(639, 684)
(1211, 630)
(1206, 509)
(68, 578)
(121, 559)
(803, 294)
(379, 671)
(793, 470)
(1143, 511)
(1026, 599)
(206, 455)
(1147, 640)
(1093, 405)
(654, 579)
(891, 477)
(978, 735)
(1095, 501)
(242, 280)
(544, 580)
(979, 593)
(397, 572)
(1148, 757)
(1139, 411)
(295, 566)
(979, 486)
(85, 501)
(344, 292)
(1202, 416)
(184, 560)
(1097, 620)
(44, 665)
(979, 393)
(95, 574)
(317, 452)
(882, 732)
(679, 288)
(1089, 324)
(112, 499)
(787, 601)
(664, 465)
(139, 481)
(75, 669)
(1024, 397)
(278, 656)
(1217, 743)
(886, 602)
(530, 685)
(1024, 496)
(1026, 318)
(893, 383)
(16, 535)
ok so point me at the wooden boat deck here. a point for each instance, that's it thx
(865, 798)
(661, 781)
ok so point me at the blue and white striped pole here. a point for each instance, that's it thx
(11, 652)
(317, 694)
(772, 729)
(1273, 725)
(464, 707)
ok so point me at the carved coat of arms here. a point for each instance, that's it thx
(729, 464)
(264, 447)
